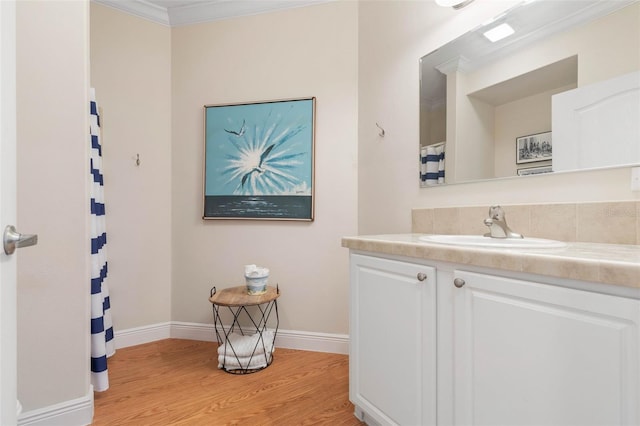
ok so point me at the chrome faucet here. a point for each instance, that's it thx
(497, 224)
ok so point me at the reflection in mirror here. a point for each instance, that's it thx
(561, 93)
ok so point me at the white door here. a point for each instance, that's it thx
(585, 120)
(527, 353)
(392, 360)
(8, 392)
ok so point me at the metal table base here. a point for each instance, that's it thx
(236, 300)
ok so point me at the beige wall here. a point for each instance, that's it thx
(310, 51)
(131, 72)
(521, 117)
(362, 73)
(392, 37)
(605, 48)
(388, 93)
(52, 135)
(222, 62)
(434, 120)
(474, 121)
(359, 60)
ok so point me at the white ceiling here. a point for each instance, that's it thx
(186, 12)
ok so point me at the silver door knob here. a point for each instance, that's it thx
(12, 239)
(458, 282)
(422, 276)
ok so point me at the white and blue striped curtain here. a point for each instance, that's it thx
(101, 328)
(432, 164)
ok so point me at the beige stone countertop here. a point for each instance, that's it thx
(615, 264)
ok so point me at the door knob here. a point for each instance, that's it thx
(421, 276)
(12, 239)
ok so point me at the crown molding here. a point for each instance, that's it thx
(203, 11)
(140, 8)
(458, 63)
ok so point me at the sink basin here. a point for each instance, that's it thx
(482, 241)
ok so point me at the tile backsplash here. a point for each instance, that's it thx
(605, 222)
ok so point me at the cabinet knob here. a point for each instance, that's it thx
(459, 282)
(422, 276)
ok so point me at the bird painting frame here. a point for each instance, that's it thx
(259, 160)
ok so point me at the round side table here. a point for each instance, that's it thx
(242, 351)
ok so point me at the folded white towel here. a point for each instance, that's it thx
(243, 346)
(244, 363)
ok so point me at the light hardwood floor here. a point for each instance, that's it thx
(177, 382)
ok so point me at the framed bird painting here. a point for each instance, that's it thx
(259, 160)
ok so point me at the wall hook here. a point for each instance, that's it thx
(137, 159)
(381, 133)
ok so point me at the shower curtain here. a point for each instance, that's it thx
(432, 164)
(101, 329)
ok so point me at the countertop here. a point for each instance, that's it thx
(615, 264)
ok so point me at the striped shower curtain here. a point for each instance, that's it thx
(101, 328)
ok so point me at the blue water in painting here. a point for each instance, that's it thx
(258, 206)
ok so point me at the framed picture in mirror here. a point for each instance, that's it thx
(533, 148)
(534, 170)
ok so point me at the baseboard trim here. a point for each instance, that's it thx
(315, 342)
(289, 339)
(140, 335)
(193, 331)
(75, 412)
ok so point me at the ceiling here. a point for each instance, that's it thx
(186, 12)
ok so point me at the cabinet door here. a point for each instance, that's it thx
(527, 353)
(392, 366)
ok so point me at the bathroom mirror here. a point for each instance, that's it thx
(486, 107)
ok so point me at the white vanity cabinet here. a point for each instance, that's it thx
(527, 353)
(392, 363)
(505, 348)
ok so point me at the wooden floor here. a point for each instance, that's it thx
(177, 382)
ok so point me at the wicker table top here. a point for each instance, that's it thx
(238, 296)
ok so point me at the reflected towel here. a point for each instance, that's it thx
(243, 346)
